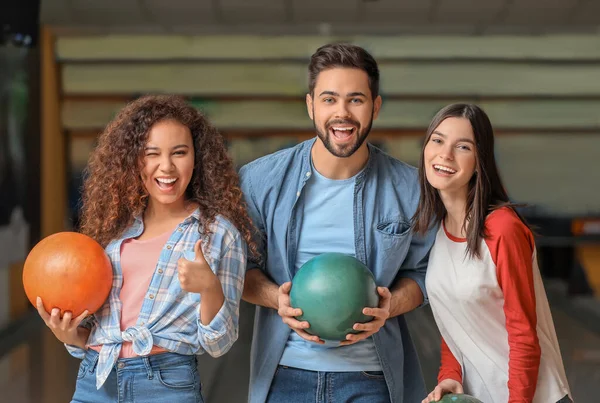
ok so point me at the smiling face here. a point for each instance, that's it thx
(342, 109)
(168, 163)
(450, 156)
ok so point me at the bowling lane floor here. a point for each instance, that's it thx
(225, 379)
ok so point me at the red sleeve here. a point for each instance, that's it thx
(511, 245)
(450, 367)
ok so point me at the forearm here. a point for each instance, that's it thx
(259, 290)
(524, 354)
(450, 368)
(82, 337)
(406, 296)
(211, 302)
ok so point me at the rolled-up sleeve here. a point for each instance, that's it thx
(75, 351)
(417, 258)
(219, 335)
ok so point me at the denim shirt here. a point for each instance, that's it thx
(386, 195)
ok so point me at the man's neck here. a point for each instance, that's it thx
(337, 168)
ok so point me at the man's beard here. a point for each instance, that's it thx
(349, 149)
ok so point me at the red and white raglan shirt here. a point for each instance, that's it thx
(498, 337)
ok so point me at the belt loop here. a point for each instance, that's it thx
(94, 363)
(148, 366)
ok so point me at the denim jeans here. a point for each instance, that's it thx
(291, 385)
(159, 378)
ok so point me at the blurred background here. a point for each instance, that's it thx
(67, 66)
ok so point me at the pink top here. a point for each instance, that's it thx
(138, 262)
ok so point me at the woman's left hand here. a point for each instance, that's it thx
(196, 275)
(444, 387)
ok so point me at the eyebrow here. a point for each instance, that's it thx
(158, 148)
(350, 94)
(464, 139)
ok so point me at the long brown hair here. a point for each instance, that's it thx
(113, 192)
(486, 191)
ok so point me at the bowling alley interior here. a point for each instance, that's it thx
(68, 66)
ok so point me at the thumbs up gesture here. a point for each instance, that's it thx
(196, 275)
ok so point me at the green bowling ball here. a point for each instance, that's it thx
(332, 289)
(458, 398)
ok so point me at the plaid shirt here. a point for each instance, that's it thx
(170, 317)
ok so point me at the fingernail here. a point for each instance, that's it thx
(38, 300)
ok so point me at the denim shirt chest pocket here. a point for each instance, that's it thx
(393, 235)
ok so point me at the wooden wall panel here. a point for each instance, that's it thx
(418, 79)
(54, 204)
(537, 115)
(568, 48)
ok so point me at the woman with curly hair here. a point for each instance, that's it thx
(161, 195)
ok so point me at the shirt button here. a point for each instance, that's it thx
(121, 365)
(180, 229)
(308, 174)
(169, 246)
(151, 296)
(142, 323)
(160, 271)
(298, 194)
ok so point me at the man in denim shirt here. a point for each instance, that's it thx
(335, 193)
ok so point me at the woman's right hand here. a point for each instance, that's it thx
(443, 388)
(288, 314)
(66, 329)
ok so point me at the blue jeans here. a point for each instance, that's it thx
(292, 385)
(166, 377)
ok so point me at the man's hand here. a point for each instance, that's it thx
(380, 315)
(288, 314)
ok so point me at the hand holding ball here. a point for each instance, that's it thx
(332, 290)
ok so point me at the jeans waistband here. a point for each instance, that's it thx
(154, 361)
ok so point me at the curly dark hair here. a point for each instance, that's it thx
(113, 192)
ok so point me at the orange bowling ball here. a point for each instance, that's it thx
(69, 271)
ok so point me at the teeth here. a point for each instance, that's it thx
(443, 168)
(165, 180)
(340, 129)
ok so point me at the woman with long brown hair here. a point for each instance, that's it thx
(161, 195)
(484, 286)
